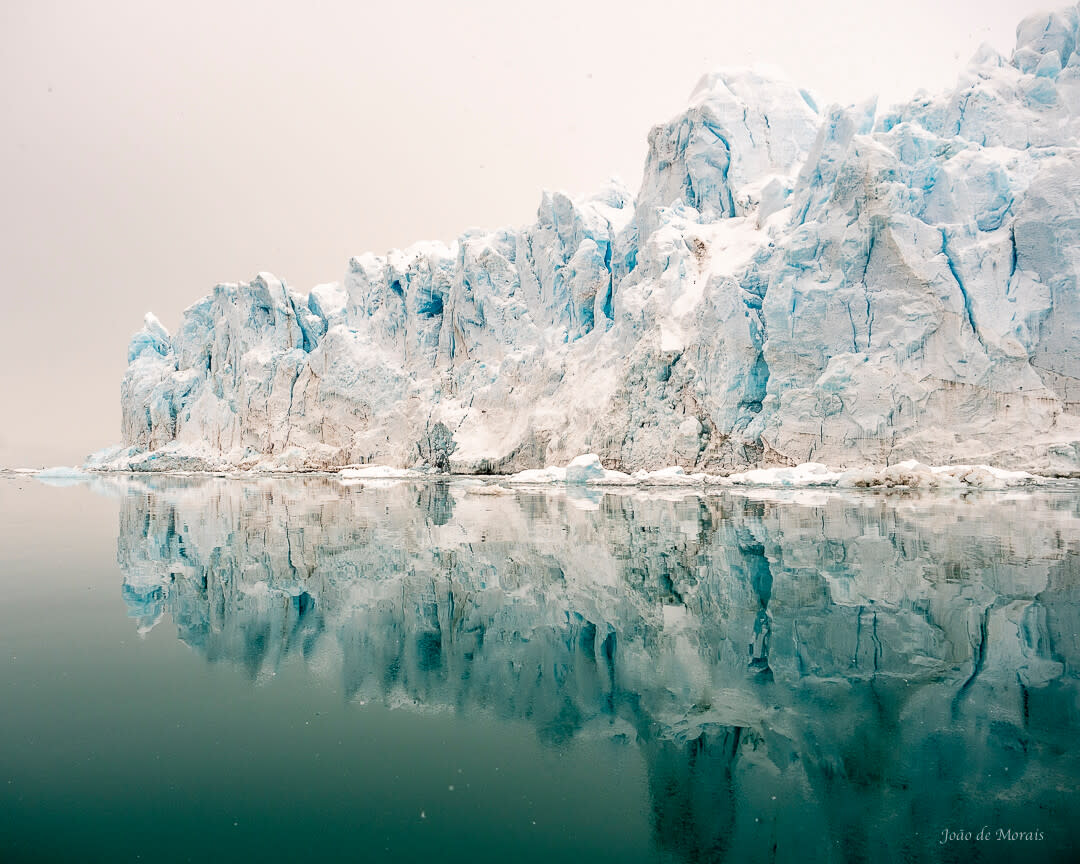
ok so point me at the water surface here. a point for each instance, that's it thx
(280, 669)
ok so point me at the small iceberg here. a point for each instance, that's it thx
(377, 475)
(62, 476)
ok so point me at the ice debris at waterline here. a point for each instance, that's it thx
(588, 470)
(847, 286)
(60, 476)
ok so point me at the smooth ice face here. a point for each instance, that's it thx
(791, 284)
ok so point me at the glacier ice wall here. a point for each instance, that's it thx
(846, 285)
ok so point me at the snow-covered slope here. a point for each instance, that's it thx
(844, 285)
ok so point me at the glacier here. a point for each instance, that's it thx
(841, 285)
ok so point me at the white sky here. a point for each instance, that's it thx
(150, 151)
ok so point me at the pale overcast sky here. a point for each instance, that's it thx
(151, 150)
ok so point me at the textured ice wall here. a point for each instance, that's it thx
(848, 286)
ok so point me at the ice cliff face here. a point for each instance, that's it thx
(844, 285)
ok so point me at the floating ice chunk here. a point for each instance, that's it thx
(379, 472)
(910, 474)
(673, 475)
(60, 471)
(538, 476)
(584, 468)
(915, 475)
(62, 476)
(807, 474)
(987, 476)
(588, 470)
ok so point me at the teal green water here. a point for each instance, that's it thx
(293, 669)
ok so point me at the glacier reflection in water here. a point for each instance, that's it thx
(821, 677)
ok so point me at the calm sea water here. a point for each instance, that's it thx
(293, 669)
